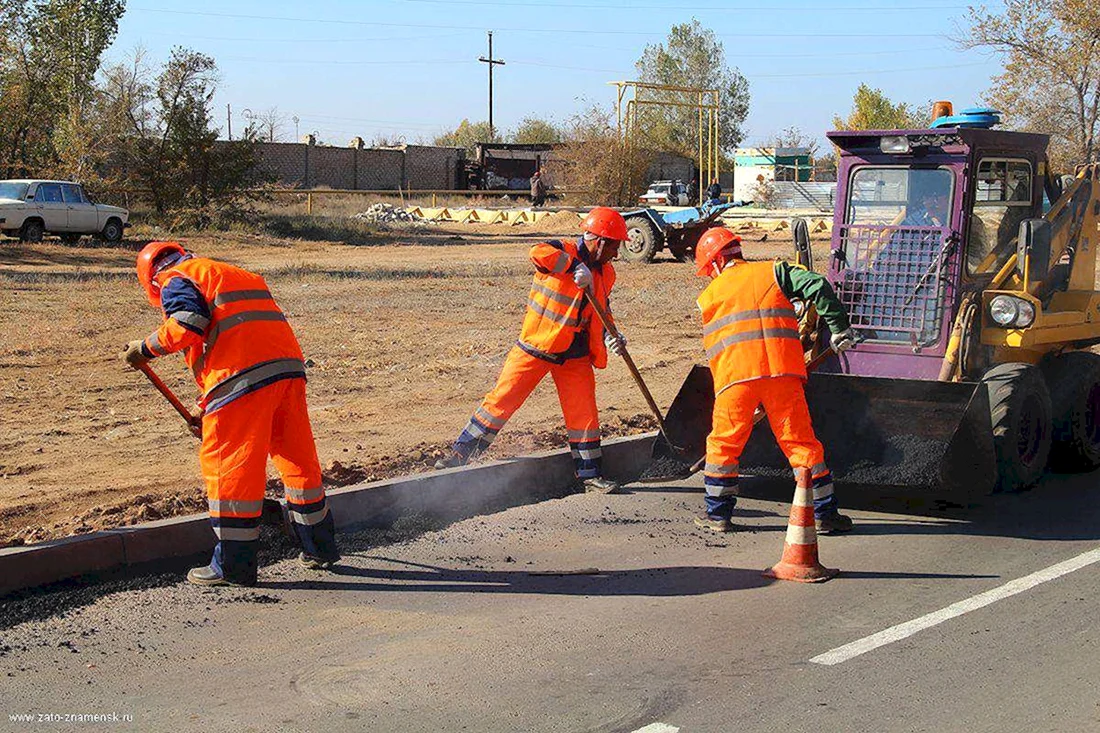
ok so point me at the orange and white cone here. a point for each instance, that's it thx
(799, 560)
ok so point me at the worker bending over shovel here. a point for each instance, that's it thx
(249, 367)
(750, 332)
(558, 337)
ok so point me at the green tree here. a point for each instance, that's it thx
(534, 130)
(1051, 79)
(691, 56)
(50, 51)
(467, 135)
(168, 141)
(873, 110)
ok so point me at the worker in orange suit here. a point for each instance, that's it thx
(249, 367)
(750, 332)
(560, 337)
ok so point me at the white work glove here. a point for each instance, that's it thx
(843, 341)
(614, 345)
(582, 276)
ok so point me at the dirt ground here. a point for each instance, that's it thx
(402, 340)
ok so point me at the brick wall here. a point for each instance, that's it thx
(306, 165)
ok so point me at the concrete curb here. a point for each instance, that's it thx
(448, 495)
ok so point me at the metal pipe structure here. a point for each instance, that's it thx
(706, 102)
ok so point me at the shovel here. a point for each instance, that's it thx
(194, 423)
(608, 326)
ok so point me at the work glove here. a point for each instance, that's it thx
(582, 276)
(843, 341)
(613, 344)
(133, 354)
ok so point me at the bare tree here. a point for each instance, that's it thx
(1051, 81)
(269, 125)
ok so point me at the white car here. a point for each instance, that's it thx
(31, 208)
(660, 194)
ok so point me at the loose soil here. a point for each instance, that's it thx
(402, 339)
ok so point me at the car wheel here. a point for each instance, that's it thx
(112, 231)
(32, 231)
(71, 238)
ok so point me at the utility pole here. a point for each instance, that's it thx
(229, 120)
(492, 62)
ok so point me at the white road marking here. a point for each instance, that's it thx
(658, 728)
(901, 631)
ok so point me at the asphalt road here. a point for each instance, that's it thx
(678, 630)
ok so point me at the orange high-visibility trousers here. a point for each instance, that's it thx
(576, 384)
(784, 401)
(237, 440)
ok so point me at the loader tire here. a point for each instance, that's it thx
(644, 240)
(1074, 383)
(1020, 413)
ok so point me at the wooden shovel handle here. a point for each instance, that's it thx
(169, 395)
(605, 319)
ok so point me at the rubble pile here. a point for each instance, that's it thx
(382, 213)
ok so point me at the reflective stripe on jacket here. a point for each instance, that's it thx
(750, 330)
(557, 308)
(246, 342)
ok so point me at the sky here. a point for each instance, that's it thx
(406, 70)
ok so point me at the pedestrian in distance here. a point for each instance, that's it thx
(714, 193)
(559, 337)
(249, 367)
(750, 332)
(538, 190)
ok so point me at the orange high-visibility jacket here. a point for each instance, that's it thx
(246, 343)
(750, 329)
(556, 307)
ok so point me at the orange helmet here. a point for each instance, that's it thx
(607, 223)
(715, 243)
(146, 267)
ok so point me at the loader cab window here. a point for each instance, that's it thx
(1002, 199)
(893, 255)
(900, 196)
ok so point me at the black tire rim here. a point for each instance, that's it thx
(112, 231)
(1029, 440)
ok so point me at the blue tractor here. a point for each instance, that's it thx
(651, 231)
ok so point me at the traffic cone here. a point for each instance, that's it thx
(799, 560)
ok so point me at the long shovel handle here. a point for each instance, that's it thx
(605, 319)
(191, 420)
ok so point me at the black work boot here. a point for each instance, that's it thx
(454, 459)
(714, 524)
(600, 485)
(317, 562)
(834, 523)
(208, 576)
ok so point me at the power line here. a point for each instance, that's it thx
(566, 31)
(680, 8)
(751, 76)
(240, 39)
(385, 62)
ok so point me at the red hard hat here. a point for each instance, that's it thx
(146, 270)
(605, 222)
(711, 245)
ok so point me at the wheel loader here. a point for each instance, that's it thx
(969, 271)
